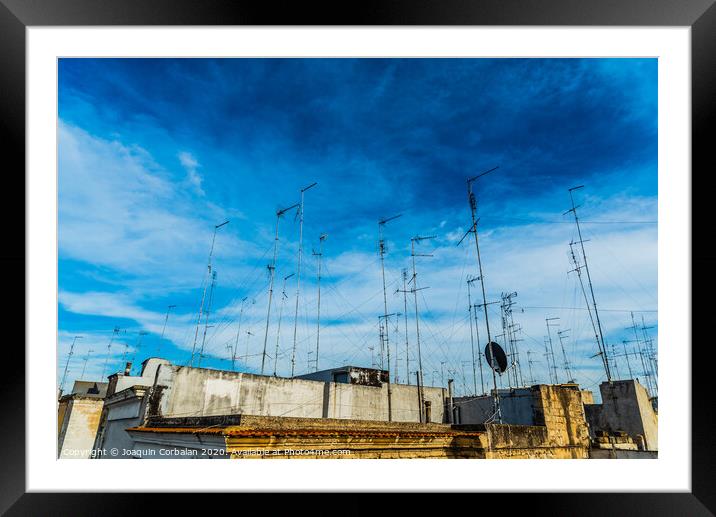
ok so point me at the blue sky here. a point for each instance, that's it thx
(154, 152)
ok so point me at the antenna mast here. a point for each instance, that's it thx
(473, 209)
(414, 290)
(298, 275)
(246, 357)
(318, 314)
(164, 328)
(509, 329)
(238, 332)
(203, 294)
(67, 364)
(384, 341)
(645, 365)
(600, 340)
(470, 308)
(405, 314)
(529, 365)
(652, 354)
(567, 368)
(138, 344)
(109, 350)
(284, 296)
(546, 356)
(551, 348)
(206, 318)
(272, 273)
(84, 366)
(626, 355)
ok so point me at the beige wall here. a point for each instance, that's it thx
(80, 420)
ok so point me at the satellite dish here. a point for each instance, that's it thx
(496, 357)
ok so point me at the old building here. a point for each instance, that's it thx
(556, 410)
(164, 390)
(172, 411)
(626, 420)
(258, 437)
(78, 417)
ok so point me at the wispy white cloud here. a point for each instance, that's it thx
(191, 165)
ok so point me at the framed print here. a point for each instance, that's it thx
(447, 247)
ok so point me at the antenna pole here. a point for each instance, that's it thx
(472, 338)
(246, 357)
(567, 369)
(626, 354)
(67, 364)
(384, 330)
(384, 342)
(138, 344)
(298, 276)
(164, 328)
(238, 332)
(318, 313)
(644, 364)
(473, 208)
(203, 294)
(109, 350)
(551, 348)
(272, 274)
(385, 336)
(206, 318)
(600, 341)
(546, 356)
(415, 289)
(82, 377)
(284, 296)
(405, 314)
(529, 365)
(614, 361)
(652, 355)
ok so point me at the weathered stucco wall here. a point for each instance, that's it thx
(559, 408)
(625, 407)
(186, 391)
(122, 410)
(257, 437)
(78, 428)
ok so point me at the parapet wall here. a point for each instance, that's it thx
(625, 408)
(183, 391)
(557, 407)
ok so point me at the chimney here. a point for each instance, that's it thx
(451, 403)
(128, 368)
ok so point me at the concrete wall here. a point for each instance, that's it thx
(183, 391)
(515, 406)
(119, 381)
(625, 407)
(79, 420)
(122, 410)
(558, 408)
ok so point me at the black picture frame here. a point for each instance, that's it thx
(17, 15)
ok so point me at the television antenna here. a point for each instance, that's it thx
(272, 272)
(284, 297)
(109, 350)
(67, 364)
(599, 335)
(318, 310)
(298, 275)
(203, 294)
(472, 200)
